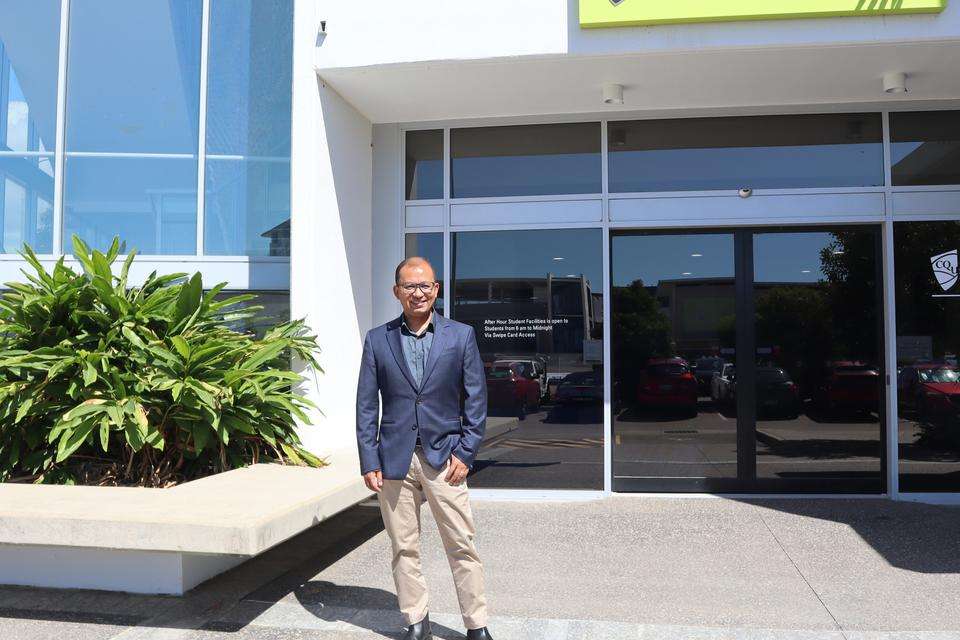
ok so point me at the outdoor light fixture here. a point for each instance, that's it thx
(613, 94)
(895, 82)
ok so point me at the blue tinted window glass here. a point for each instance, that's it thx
(26, 202)
(249, 78)
(247, 207)
(525, 160)
(925, 147)
(151, 203)
(247, 191)
(760, 152)
(133, 77)
(29, 52)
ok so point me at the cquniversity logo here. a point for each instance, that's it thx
(945, 269)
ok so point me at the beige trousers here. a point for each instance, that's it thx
(400, 502)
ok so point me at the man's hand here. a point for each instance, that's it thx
(374, 480)
(456, 470)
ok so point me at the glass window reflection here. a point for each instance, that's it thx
(26, 202)
(819, 374)
(247, 190)
(535, 300)
(928, 354)
(760, 152)
(133, 76)
(925, 147)
(429, 246)
(151, 203)
(525, 160)
(673, 335)
(424, 164)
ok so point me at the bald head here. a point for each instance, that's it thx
(417, 266)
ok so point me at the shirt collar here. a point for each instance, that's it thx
(424, 329)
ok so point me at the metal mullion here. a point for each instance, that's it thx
(746, 359)
(447, 235)
(607, 271)
(59, 160)
(202, 125)
(892, 444)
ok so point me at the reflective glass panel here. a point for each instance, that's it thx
(759, 152)
(673, 335)
(819, 374)
(928, 354)
(247, 192)
(26, 202)
(247, 207)
(29, 53)
(151, 203)
(525, 160)
(925, 147)
(429, 246)
(28, 105)
(133, 77)
(535, 300)
(424, 165)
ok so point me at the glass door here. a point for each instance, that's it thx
(673, 332)
(801, 409)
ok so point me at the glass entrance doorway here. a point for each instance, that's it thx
(747, 360)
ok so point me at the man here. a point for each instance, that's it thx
(428, 371)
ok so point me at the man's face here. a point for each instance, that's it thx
(417, 302)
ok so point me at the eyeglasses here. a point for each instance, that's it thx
(410, 287)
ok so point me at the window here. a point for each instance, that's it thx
(424, 165)
(928, 354)
(250, 75)
(762, 152)
(133, 87)
(535, 301)
(925, 147)
(526, 160)
(28, 108)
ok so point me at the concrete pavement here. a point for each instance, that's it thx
(622, 567)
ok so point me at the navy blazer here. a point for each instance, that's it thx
(450, 405)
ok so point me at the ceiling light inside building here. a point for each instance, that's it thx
(895, 82)
(613, 94)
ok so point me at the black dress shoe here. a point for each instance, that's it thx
(479, 634)
(420, 630)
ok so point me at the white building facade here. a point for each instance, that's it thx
(703, 250)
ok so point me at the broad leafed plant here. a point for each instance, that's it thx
(106, 383)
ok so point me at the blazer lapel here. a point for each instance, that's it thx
(393, 339)
(440, 326)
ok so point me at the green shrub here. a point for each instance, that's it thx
(101, 383)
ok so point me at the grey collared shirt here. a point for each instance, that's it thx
(416, 347)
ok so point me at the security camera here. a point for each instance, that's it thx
(745, 192)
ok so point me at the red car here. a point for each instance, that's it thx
(668, 383)
(934, 389)
(513, 386)
(849, 387)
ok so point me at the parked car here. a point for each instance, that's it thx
(849, 387)
(539, 372)
(580, 386)
(777, 393)
(704, 369)
(513, 386)
(668, 383)
(722, 384)
(932, 389)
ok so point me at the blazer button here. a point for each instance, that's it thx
(414, 427)
(419, 401)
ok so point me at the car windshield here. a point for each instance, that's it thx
(499, 372)
(942, 374)
(709, 364)
(667, 369)
(582, 378)
(771, 375)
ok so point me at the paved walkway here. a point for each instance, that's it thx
(624, 567)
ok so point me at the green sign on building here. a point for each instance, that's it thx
(624, 13)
